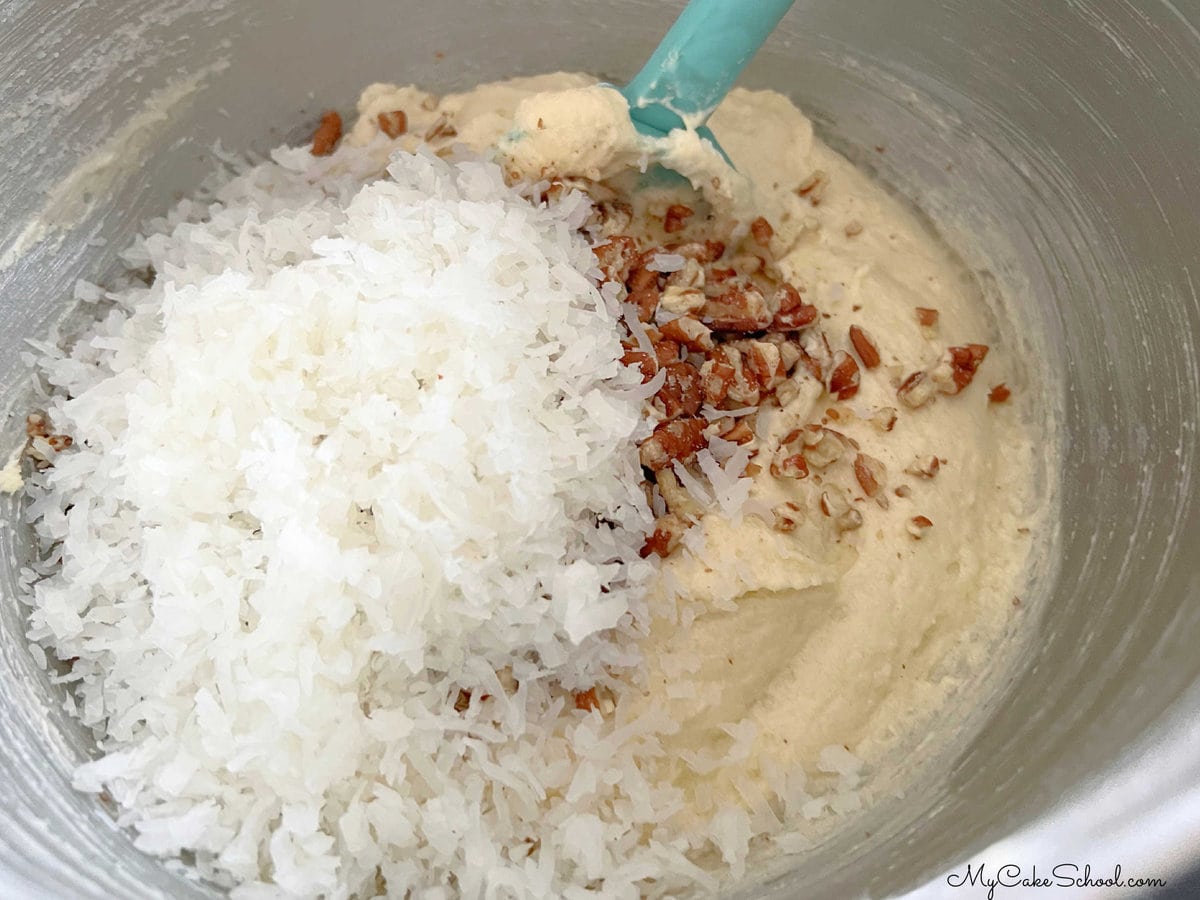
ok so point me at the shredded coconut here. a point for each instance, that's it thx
(354, 506)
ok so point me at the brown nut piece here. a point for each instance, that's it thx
(327, 135)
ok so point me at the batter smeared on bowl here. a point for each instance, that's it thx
(395, 542)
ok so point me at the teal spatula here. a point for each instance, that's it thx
(697, 63)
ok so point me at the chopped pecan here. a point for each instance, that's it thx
(762, 231)
(681, 301)
(616, 257)
(884, 418)
(787, 516)
(918, 526)
(964, 362)
(678, 499)
(440, 129)
(681, 393)
(37, 425)
(644, 361)
(675, 219)
(741, 307)
(815, 353)
(739, 430)
(678, 439)
(792, 312)
(844, 378)
(586, 700)
(789, 463)
(916, 390)
(865, 347)
(668, 530)
(327, 135)
(745, 389)
(393, 123)
(646, 300)
(717, 376)
(666, 352)
(765, 363)
(813, 187)
(924, 466)
(834, 506)
(870, 474)
(641, 277)
(928, 318)
(705, 252)
(789, 350)
(999, 394)
(823, 446)
(690, 276)
(691, 333)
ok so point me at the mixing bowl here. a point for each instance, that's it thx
(1053, 144)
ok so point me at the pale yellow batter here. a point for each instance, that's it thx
(818, 640)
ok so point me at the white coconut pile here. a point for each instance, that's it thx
(352, 512)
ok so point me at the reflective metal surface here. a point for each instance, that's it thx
(1053, 144)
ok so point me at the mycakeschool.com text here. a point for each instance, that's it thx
(992, 881)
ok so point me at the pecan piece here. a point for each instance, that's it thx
(691, 333)
(739, 430)
(762, 231)
(644, 361)
(999, 394)
(928, 318)
(792, 312)
(916, 390)
(790, 460)
(393, 123)
(586, 700)
(440, 129)
(815, 353)
(884, 418)
(327, 135)
(918, 526)
(646, 300)
(845, 518)
(717, 376)
(740, 307)
(681, 393)
(787, 516)
(924, 466)
(765, 362)
(706, 252)
(964, 362)
(682, 301)
(37, 425)
(870, 474)
(677, 440)
(676, 217)
(845, 377)
(823, 446)
(668, 531)
(616, 257)
(812, 187)
(865, 347)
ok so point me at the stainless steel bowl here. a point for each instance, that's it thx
(1053, 143)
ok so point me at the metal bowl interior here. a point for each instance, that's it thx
(1051, 144)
